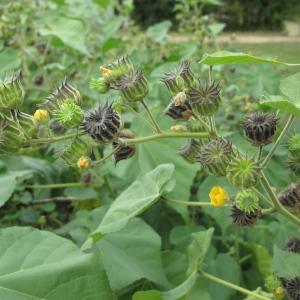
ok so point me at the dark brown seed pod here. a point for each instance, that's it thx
(178, 112)
(292, 245)
(243, 219)
(292, 287)
(190, 150)
(103, 124)
(259, 127)
(291, 196)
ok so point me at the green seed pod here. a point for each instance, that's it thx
(100, 85)
(260, 127)
(205, 99)
(133, 86)
(74, 151)
(28, 124)
(190, 150)
(247, 201)
(244, 219)
(216, 155)
(124, 151)
(65, 92)
(291, 196)
(11, 91)
(294, 164)
(69, 114)
(293, 145)
(242, 172)
(272, 282)
(292, 245)
(178, 112)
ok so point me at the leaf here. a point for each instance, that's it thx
(159, 31)
(112, 25)
(286, 264)
(9, 60)
(227, 58)
(135, 199)
(198, 248)
(290, 87)
(216, 28)
(182, 289)
(70, 31)
(126, 263)
(42, 266)
(81, 193)
(147, 295)
(8, 183)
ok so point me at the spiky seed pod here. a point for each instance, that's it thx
(103, 124)
(190, 150)
(186, 73)
(69, 114)
(205, 98)
(11, 91)
(292, 287)
(291, 196)
(292, 245)
(74, 151)
(294, 164)
(27, 123)
(65, 92)
(247, 201)
(11, 137)
(216, 155)
(242, 218)
(178, 112)
(242, 171)
(100, 85)
(259, 127)
(195, 125)
(133, 86)
(293, 145)
(41, 116)
(124, 151)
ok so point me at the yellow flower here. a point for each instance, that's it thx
(41, 116)
(83, 162)
(104, 71)
(178, 128)
(279, 292)
(218, 196)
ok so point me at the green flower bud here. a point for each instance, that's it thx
(247, 201)
(190, 150)
(133, 86)
(100, 85)
(293, 145)
(28, 124)
(272, 282)
(294, 164)
(205, 99)
(242, 172)
(11, 91)
(69, 114)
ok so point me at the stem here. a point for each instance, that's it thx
(191, 203)
(62, 185)
(259, 194)
(232, 286)
(97, 162)
(55, 138)
(151, 117)
(260, 150)
(202, 122)
(277, 205)
(283, 132)
(54, 199)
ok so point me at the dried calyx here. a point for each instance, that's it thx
(242, 218)
(291, 196)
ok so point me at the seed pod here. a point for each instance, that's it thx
(293, 145)
(291, 196)
(27, 123)
(103, 124)
(74, 151)
(124, 151)
(69, 114)
(242, 218)
(41, 116)
(190, 150)
(11, 91)
(100, 85)
(178, 112)
(247, 201)
(294, 164)
(292, 287)
(65, 92)
(216, 155)
(292, 245)
(133, 86)
(205, 99)
(242, 171)
(260, 127)
(272, 283)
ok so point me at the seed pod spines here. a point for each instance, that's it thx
(291, 196)
(242, 218)
(292, 245)
(190, 150)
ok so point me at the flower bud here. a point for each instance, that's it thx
(178, 112)
(218, 196)
(272, 283)
(133, 86)
(84, 162)
(292, 245)
(103, 124)
(190, 150)
(294, 164)
(41, 116)
(69, 114)
(247, 201)
(242, 172)
(205, 99)
(260, 127)
(27, 123)
(242, 218)
(75, 151)
(215, 156)
(11, 91)
(100, 85)
(291, 196)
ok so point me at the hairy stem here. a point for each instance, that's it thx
(62, 185)
(191, 203)
(151, 117)
(55, 138)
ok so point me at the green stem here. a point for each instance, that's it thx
(62, 185)
(55, 138)
(151, 117)
(277, 205)
(232, 286)
(282, 134)
(107, 156)
(202, 122)
(262, 196)
(191, 203)
(260, 151)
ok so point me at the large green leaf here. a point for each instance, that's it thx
(9, 60)
(147, 295)
(227, 57)
(70, 31)
(286, 264)
(125, 262)
(40, 265)
(290, 87)
(135, 199)
(159, 31)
